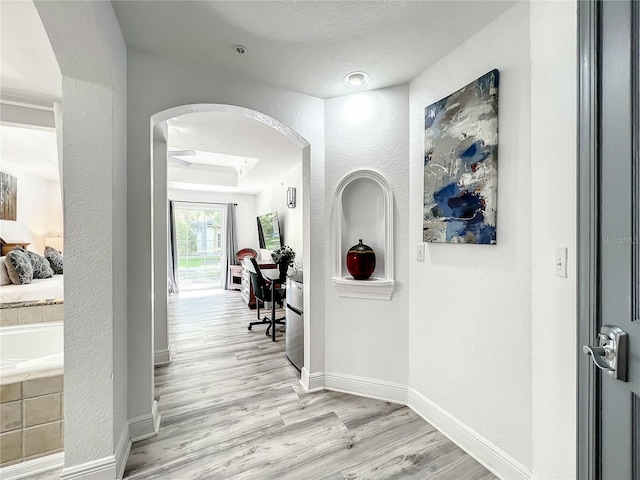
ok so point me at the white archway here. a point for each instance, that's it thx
(158, 159)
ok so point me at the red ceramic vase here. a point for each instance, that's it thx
(361, 261)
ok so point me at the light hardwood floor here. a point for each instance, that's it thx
(232, 407)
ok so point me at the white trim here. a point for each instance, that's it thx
(304, 379)
(288, 132)
(99, 469)
(366, 387)
(145, 426)
(122, 451)
(24, 103)
(32, 467)
(311, 382)
(162, 357)
(492, 457)
(346, 286)
(373, 288)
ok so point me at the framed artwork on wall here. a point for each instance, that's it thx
(8, 197)
(461, 165)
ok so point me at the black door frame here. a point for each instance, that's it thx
(589, 73)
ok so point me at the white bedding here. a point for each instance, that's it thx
(38, 289)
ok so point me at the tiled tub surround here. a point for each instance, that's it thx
(31, 424)
(22, 313)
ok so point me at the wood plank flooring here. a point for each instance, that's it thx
(232, 407)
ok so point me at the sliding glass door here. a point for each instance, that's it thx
(199, 234)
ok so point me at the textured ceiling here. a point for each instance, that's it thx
(229, 134)
(306, 46)
(29, 70)
(32, 150)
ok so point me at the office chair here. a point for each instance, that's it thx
(265, 291)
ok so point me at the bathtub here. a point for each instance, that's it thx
(31, 348)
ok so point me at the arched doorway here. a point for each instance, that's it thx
(158, 158)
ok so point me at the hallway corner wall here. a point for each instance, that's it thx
(554, 90)
(91, 53)
(470, 307)
(366, 340)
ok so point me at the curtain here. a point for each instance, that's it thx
(172, 257)
(230, 245)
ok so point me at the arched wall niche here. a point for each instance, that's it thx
(363, 208)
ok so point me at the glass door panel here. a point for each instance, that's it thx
(199, 233)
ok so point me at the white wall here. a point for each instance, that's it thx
(39, 210)
(368, 338)
(470, 308)
(151, 84)
(553, 224)
(245, 211)
(90, 50)
(274, 199)
(161, 348)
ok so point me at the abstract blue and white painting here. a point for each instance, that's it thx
(461, 165)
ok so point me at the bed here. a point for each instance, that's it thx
(39, 301)
(38, 289)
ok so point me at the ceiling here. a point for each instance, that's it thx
(32, 150)
(29, 72)
(234, 153)
(306, 46)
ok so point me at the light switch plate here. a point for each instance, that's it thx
(561, 262)
(420, 252)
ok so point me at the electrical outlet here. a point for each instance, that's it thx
(420, 252)
(561, 262)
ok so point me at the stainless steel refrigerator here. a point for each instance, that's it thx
(294, 333)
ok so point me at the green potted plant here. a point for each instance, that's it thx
(283, 257)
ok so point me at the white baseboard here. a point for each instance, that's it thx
(99, 469)
(313, 382)
(145, 426)
(485, 452)
(366, 387)
(32, 467)
(122, 451)
(162, 357)
(112, 466)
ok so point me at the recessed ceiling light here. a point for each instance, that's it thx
(240, 49)
(355, 79)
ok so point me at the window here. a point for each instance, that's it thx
(199, 233)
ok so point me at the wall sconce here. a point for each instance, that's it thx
(291, 197)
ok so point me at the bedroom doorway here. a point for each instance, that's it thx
(199, 235)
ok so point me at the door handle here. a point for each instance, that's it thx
(611, 355)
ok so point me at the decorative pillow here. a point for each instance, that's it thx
(19, 267)
(4, 275)
(41, 267)
(55, 259)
